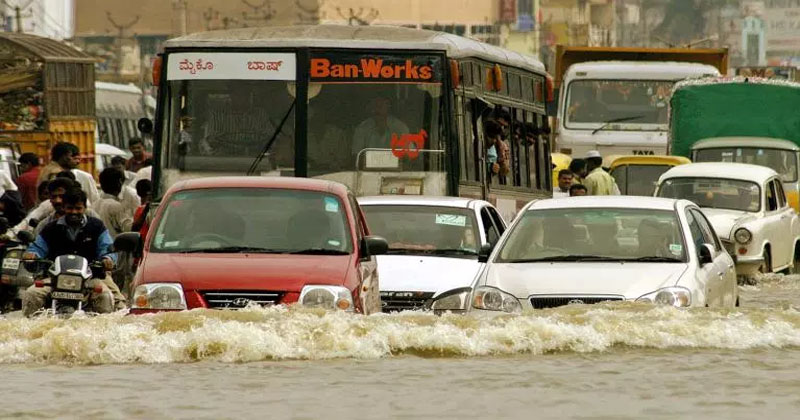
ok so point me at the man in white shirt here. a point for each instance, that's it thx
(564, 182)
(377, 131)
(109, 206)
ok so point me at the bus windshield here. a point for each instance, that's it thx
(366, 112)
(630, 105)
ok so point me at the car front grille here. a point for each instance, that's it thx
(542, 302)
(404, 301)
(730, 247)
(238, 299)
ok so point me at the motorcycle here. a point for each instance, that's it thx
(14, 278)
(71, 279)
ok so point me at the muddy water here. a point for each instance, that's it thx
(604, 361)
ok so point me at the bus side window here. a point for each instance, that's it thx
(533, 151)
(462, 139)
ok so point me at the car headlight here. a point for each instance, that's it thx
(69, 282)
(494, 299)
(160, 296)
(674, 296)
(328, 297)
(451, 300)
(743, 236)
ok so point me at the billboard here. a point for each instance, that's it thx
(782, 18)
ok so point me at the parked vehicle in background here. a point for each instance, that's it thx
(743, 120)
(638, 175)
(48, 95)
(229, 242)
(304, 101)
(434, 245)
(782, 156)
(615, 100)
(119, 108)
(747, 206)
(9, 157)
(603, 249)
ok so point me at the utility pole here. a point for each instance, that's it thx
(120, 37)
(181, 6)
(18, 12)
(261, 12)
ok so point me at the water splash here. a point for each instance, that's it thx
(282, 333)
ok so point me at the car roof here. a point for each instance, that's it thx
(724, 170)
(610, 201)
(418, 200)
(669, 70)
(286, 183)
(745, 141)
(619, 160)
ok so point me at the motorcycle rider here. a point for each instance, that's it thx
(78, 234)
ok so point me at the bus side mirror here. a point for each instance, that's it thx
(145, 125)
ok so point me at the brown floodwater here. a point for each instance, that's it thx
(581, 361)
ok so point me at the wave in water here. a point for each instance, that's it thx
(282, 333)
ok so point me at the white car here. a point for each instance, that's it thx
(434, 245)
(747, 206)
(586, 250)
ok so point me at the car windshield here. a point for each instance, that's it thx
(784, 162)
(638, 179)
(252, 220)
(594, 234)
(714, 193)
(425, 229)
(628, 104)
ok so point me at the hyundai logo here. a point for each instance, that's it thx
(575, 302)
(240, 302)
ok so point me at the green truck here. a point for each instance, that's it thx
(741, 120)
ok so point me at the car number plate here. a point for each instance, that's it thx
(66, 295)
(11, 264)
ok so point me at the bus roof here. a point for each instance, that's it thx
(364, 37)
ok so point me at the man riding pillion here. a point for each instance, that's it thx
(77, 234)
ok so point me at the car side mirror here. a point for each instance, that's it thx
(373, 245)
(128, 242)
(145, 125)
(484, 252)
(25, 237)
(706, 254)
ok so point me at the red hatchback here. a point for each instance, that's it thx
(226, 243)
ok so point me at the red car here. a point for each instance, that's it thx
(226, 243)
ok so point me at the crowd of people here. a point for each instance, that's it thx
(585, 177)
(67, 214)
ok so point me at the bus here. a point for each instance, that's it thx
(118, 108)
(384, 110)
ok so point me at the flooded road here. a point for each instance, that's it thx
(604, 361)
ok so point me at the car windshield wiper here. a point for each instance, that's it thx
(319, 251)
(653, 258)
(568, 258)
(616, 120)
(234, 250)
(271, 141)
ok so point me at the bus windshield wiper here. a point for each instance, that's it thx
(271, 141)
(616, 120)
(234, 250)
(567, 258)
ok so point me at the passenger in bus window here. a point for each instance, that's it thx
(136, 162)
(325, 140)
(497, 151)
(376, 131)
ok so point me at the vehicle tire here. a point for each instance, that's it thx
(764, 268)
(737, 302)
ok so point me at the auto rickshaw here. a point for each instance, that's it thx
(638, 175)
(560, 161)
